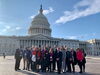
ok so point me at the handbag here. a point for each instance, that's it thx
(34, 58)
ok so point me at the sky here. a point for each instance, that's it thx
(69, 19)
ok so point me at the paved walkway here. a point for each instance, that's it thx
(7, 68)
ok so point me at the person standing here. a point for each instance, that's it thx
(73, 60)
(17, 59)
(21, 54)
(25, 59)
(4, 55)
(43, 60)
(63, 59)
(38, 59)
(51, 60)
(59, 60)
(84, 60)
(80, 57)
(68, 59)
(54, 57)
(29, 56)
(33, 59)
(47, 60)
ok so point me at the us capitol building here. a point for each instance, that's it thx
(40, 35)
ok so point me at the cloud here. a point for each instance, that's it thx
(8, 28)
(45, 12)
(76, 37)
(82, 36)
(72, 37)
(50, 10)
(18, 28)
(1, 22)
(32, 16)
(81, 9)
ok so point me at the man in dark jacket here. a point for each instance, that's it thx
(43, 60)
(47, 60)
(59, 60)
(68, 60)
(21, 54)
(73, 59)
(29, 56)
(25, 59)
(84, 60)
(17, 59)
(54, 57)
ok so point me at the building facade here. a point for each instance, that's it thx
(93, 47)
(8, 44)
(39, 34)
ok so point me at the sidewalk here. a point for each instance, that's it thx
(93, 57)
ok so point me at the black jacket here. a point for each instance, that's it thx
(59, 56)
(68, 56)
(73, 56)
(17, 54)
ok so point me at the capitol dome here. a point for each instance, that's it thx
(40, 25)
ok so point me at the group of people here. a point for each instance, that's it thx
(47, 59)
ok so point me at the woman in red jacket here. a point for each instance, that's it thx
(38, 58)
(80, 57)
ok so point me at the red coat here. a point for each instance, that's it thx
(79, 55)
(39, 53)
(34, 52)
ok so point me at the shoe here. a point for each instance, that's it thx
(80, 72)
(67, 71)
(64, 72)
(73, 71)
(15, 69)
(28, 70)
(59, 72)
(83, 70)
(19, 69)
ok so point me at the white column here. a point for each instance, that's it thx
(45, 42)
(31, 43)
(38, 43)
(34, 42)
(42, 30)
(28, 42)
(49, 42)
(41, 42)
(55, 43)
(23, 44)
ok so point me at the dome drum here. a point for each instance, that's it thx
(40, 25)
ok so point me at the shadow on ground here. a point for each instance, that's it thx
(52, 73)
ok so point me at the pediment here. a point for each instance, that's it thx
(40, 37)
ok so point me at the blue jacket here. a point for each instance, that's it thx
(25, 53)
(29, 54)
